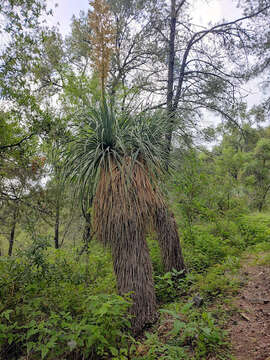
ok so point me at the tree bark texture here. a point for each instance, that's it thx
(122, 211)
(170, 81)
(169, 241)
(12, 232)
(133, 270)
(87, 230)
(56, 226)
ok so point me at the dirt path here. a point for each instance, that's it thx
(250, 328)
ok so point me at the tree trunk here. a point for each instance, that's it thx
(169, 241)
(133, 270)
(262, 202)
(12, 232)
(86, 234)
(121, 220)
(87, 230)
(170, 80)
(56, 226)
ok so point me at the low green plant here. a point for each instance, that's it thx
(197, 330)
(49, 310)
(254, 228)
(202, 249)
(170, 285)
(221, 280)
(153, 348)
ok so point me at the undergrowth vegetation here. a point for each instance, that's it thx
(56, 304)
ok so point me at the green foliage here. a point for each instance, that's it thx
(191, 188)
(105, 139)
(219, 281)
(63, 314)
(170, 285)
(189, 328)
(155, 254)
(198, 329)
(206, 245)
(153, 349)
(254, 228)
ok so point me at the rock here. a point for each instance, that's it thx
(259, 301)
(197, 300)
(245, 316)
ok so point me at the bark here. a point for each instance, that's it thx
(169, 241)
(171, 60)
(122, 211)
(56, 226)
(87, 230)
(12, 232)
(262, 202)
(165, 224)
(133, 270)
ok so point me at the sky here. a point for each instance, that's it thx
(64, 12)
(204, 11)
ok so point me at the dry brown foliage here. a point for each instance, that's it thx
(169, 242)
(102, 38)
(124, 205)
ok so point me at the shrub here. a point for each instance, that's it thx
(202, 249)
(197, 329)
(49, 310)
(170, 285)
(254, 228)
(219, 281)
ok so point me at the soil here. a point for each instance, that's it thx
(250, 328)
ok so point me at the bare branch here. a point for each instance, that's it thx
(16, 144)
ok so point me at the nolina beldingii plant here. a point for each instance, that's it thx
(119, 159)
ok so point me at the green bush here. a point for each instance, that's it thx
(153, 349)
(50, 310)
(219, 281)
(254, 228)
(170, 285)
(155, 254)
(99, 327)
(197, 329)
(202, 249)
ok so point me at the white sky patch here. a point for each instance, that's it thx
(205, 11)
(64, 12)
(212, 11)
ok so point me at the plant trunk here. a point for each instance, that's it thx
(169, 241)
(133, 270)
(56, 226)
(87, 230)
(262, 202)
(170, 80)
(12, 232)
(121, 219)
